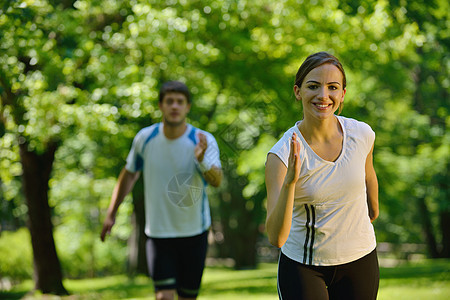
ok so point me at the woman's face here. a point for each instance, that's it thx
(321, 92)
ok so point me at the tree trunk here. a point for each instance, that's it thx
(137, 257)
(245, 248)
(444, 215)
(36, 174)
(445, 226)
(428, 228)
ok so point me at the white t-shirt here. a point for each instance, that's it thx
(176, 204)
(330, 221)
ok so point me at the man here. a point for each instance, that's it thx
(177, 161)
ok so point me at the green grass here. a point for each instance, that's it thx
(429, 279)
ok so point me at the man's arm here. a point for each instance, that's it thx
(125, 184)
(371, 187)
(212, 174)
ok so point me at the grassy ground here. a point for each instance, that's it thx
(429, 279)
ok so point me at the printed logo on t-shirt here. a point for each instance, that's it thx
(185, 189)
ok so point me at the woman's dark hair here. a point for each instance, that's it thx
(174, 86)
(315, 60)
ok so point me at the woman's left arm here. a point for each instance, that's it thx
(371, 187)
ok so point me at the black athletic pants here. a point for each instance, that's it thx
(357, 280)
(177, 263)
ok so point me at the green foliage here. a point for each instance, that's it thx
(16, 260)
(79, 247)
(83, 255)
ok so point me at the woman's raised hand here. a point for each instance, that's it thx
(293, 170)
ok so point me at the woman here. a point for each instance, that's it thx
(322, 194)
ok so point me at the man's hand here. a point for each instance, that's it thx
(200, 148)
(107, 225)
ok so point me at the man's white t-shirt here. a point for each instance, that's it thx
(330, 221)
(176, 204)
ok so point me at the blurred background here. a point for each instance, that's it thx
(78, 80)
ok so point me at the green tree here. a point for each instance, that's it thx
(48, 70)
(429, 69)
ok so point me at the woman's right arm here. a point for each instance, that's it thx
(280, 183)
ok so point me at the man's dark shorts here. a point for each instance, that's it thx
(177, 263)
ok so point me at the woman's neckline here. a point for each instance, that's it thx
(341, 154)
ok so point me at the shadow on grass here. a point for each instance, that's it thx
(127, 288)
(129, 285)
(12, 295)
(115, 287)
(248, 290)
(263, 284)
(226, 281)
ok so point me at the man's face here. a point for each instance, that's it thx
(174, 107)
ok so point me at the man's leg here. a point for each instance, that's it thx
(161, 259)
(192, 254)
(183, 298)
(165, 295)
